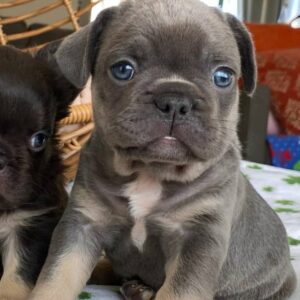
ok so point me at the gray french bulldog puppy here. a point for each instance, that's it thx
(159, 187)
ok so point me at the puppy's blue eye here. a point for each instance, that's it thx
(38, 141)
(122, 71)
(223, 77)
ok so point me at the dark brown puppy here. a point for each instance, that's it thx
(32, 197)
(159, 186)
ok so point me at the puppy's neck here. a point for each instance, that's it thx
(161, 171)
(143, 194)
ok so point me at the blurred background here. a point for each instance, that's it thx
(17, 16)
(262, 11)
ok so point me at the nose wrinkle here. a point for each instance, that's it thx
(172, 124)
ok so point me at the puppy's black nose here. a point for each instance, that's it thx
(171, 104)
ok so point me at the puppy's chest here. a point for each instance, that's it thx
(12, 222)
(9, 225)
(143, 195)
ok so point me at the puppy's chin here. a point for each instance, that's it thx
(166, 158)
(170, 171)
(164, 150)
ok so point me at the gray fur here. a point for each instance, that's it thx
(210, 236)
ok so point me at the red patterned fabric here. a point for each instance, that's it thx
(280, 71)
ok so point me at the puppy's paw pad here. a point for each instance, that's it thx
(134, 290)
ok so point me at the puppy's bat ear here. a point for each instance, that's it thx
(77, 53)
(64, 91)
(247, 53)
(72, 60)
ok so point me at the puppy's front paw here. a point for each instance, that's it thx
(9, 296)
(134, 290)
(13, 291)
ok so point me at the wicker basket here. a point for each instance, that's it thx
(76, 129)
(71, 141)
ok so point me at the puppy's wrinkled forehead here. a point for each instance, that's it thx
(171, 30)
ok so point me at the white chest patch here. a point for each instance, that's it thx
(143, 194)
(139, 234)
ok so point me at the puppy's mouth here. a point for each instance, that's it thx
(165, 149)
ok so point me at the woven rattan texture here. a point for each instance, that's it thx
(80, 118)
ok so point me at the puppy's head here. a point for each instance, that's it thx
(165, 81)
(32, 99)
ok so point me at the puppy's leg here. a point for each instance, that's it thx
(12, 286)
(193, 270)
(74, 251)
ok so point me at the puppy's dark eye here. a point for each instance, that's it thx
(38, 141)
(223, 77)
(122, 71)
